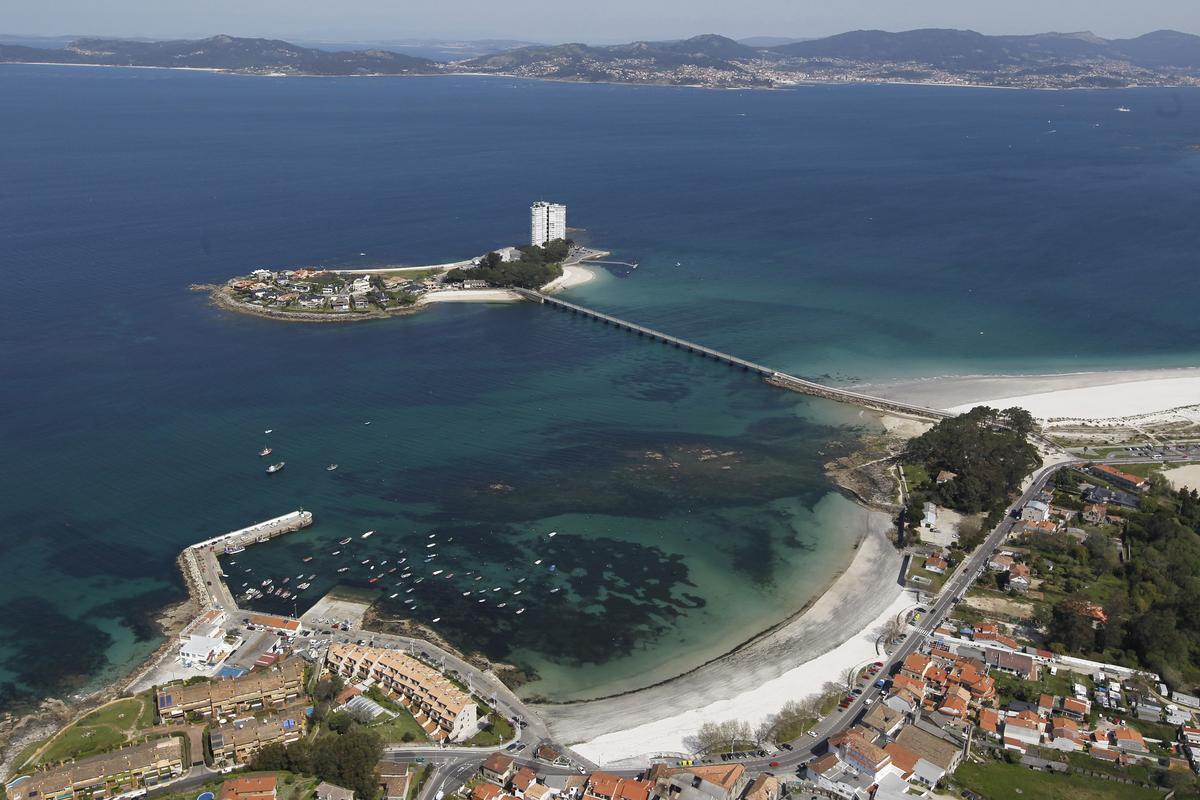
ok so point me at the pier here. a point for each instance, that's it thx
(771, 376)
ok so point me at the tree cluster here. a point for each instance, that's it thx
(347, 759)
(537, 267)
(989, 452)
(1153, 620)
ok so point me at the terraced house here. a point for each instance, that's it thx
(129, 769)
(444, 711)
(237, 742)
(261, 689)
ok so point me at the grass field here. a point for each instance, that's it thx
(997, 781)
(500, 731)
(104, 729)
(395, 729)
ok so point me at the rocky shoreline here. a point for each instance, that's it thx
(220, 297)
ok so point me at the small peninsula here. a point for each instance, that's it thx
(310, 294)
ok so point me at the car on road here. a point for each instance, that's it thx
(774, 763)
(786, 745)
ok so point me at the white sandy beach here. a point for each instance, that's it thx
(573, 275)
(471, 296)
(1181, 477)
(1085, 396)
(791, 662)
(668, 735)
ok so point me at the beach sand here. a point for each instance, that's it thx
(573, 275)
(793, 661)
(1086, 396)
(1188, 476)
(471, 296)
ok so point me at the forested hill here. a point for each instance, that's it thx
(226, 53)
(933, 55)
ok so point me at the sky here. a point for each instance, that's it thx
(592, 21)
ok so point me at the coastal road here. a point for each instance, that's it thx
(952, 592)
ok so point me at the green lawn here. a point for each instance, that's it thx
(1009, 686)
(915, 475)
(395, 729)
(78, 741)
(998, 781)
(500, 731)
(122, 714)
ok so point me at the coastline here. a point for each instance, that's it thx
(663, 84)
(749, 675)
(1111, 397)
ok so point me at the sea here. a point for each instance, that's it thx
(842, 233)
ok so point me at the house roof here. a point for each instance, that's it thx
(1124, 734)
(523, 778)
(989, 720)
(905, 759)
(932, 748)
(917, 687)
(498, 763)
(252, 786)
(764, 786)
(823, 764)
(486, 791)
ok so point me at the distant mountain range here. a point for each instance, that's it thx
(927, 55)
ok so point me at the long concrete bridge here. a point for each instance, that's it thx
(772, 376)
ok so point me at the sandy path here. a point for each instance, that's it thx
(752, 682)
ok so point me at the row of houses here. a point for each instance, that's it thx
(259, 690)
(444, 711)
(503, 779)
(126, 770)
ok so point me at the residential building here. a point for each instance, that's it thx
(945, 476)
(1017, 664)
(1000, 563)
(933, 749)
(935, 563)
(1128, 740)
(1095, 513)
(1125, 480)
(1102, 494)
(394, 780)
(331, 791)
(509, 254)
(701, 782)
(856, 749)
(486, 791)
(444, 711)
(498, 768)
(249, 787)
(883, 720)
(765, 787)
(260, 689)
(238, 741)
(912, 766)
(122, 771)
(522, 780)
(548, 221)
(606, 786)
(1035, 511)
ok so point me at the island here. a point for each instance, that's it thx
(318, 294)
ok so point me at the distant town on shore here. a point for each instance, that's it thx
(932, 56)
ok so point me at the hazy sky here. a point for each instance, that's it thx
(582, 20)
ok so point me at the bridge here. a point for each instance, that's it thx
(771, 376)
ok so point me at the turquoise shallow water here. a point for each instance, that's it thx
(839, 232)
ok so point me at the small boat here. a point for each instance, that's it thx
(677, 263)
(431, 544)
(268, 430)
(393, 569)
(437, 572)
(483, 599)
(517, 592)
(365, 561)
(520, 611)
(331, 468)
(368, 422)
(430, 536)
(237, 548)
(1123, 109)
(552, 534)
(367, 535)
(418, 580)
(312, 577)
(345, 541)
(521, 580)
(268, 581)
(555, 590)
(502, 605)
(336, 553)
(285, 580)
(393, 595)
(554, 567)
(539, 561)
(343, 569)
(496, 589)
(303, 586)
(465, 594)
(406, 575)
(275, 468)
(409, 590)
(266, 451)
(307, 559)
(437, 619)
(373, 580)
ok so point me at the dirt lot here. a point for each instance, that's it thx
(1001, 605)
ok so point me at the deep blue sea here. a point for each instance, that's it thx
(842, 233)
